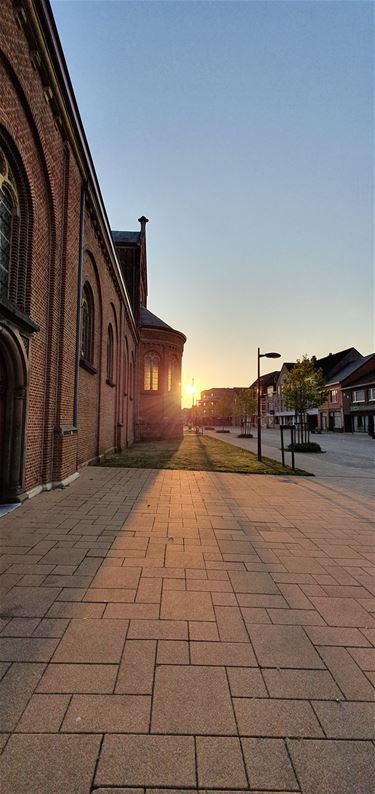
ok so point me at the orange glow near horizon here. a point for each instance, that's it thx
(189, 390)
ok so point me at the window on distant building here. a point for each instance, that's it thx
(333, 395)
(87, 324)
(371, 394)
(151, 372)
(110, 354)
(359, 396)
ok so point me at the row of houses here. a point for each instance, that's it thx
(349, 407)
(350, 403)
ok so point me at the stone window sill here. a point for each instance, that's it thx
(13, 313)
(86, 365)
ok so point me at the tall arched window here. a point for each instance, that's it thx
(131, 379)
(125, 377)
(172, 374)
(110, 354)
(87, 324)
(9, 227)
(151, 372)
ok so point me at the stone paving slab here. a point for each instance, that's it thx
(147, 760)
(48, 764)
(187, 632)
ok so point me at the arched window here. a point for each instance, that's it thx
(131, 378)
(151, 372)
(110, 354)
(125, 377)
(87, 324)
(172, 374)
(9, 227)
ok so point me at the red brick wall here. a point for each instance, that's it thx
(30, 125)
(105, 415)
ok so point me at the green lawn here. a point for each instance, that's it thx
(194, 453)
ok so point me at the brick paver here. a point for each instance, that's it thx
(168, 631)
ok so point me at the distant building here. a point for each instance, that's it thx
(282, 415)
(330, 366)
(331, 413)
(358, 398)
(208, 405)
(268, 396)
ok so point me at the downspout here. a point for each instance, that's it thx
(79, 297)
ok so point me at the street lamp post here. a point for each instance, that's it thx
(192, 402)
(191, 389)
(261, 355)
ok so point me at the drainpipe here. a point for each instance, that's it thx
(79, 296)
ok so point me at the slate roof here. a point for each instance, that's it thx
(330, 363)
(149, 319)
(350, 369)
(269, 379)
(125, 237)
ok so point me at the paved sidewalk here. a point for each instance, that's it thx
(187, 630)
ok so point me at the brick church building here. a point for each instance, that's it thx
(85, 367)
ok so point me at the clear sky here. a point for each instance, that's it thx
(244, 131)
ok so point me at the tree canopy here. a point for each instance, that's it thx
(224, 408)
(304, 386)
(245, 407)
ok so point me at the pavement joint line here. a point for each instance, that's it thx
(97, 761)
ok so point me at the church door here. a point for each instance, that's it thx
(12, 415)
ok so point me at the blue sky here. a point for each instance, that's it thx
(243, 130)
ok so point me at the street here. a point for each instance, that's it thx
(346, 459)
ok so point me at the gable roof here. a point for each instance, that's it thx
(269, 379)
(351, 368)
(331, 363)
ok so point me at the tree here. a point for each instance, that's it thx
(224, 408)
(304, 388)
(245, 408)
